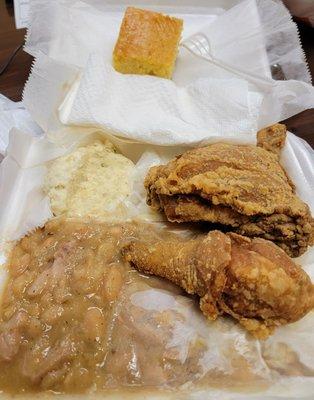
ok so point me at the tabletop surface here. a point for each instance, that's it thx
(13, 79)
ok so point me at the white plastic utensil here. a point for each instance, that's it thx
(199, 45)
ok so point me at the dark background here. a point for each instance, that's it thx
(13, 79)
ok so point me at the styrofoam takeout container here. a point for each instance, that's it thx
(23, 206)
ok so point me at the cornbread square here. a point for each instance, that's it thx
(147, 43)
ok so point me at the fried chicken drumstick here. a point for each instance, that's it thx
(253, 280)
(242, 187)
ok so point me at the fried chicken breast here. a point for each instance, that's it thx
(242, 187)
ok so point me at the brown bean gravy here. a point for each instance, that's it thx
(64, 325)
(75, 318)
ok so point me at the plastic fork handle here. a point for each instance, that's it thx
(264, 82)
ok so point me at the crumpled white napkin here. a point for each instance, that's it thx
(203, 99)
(14, 115)
(73, 42)
(200, 102)
(154, 110)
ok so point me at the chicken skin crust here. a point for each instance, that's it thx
(242, 187)
(252, 280)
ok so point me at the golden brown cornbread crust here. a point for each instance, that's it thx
(147, 44)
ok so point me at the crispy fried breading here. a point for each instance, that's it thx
(252, 280)
(272, 138)
(241, 186)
